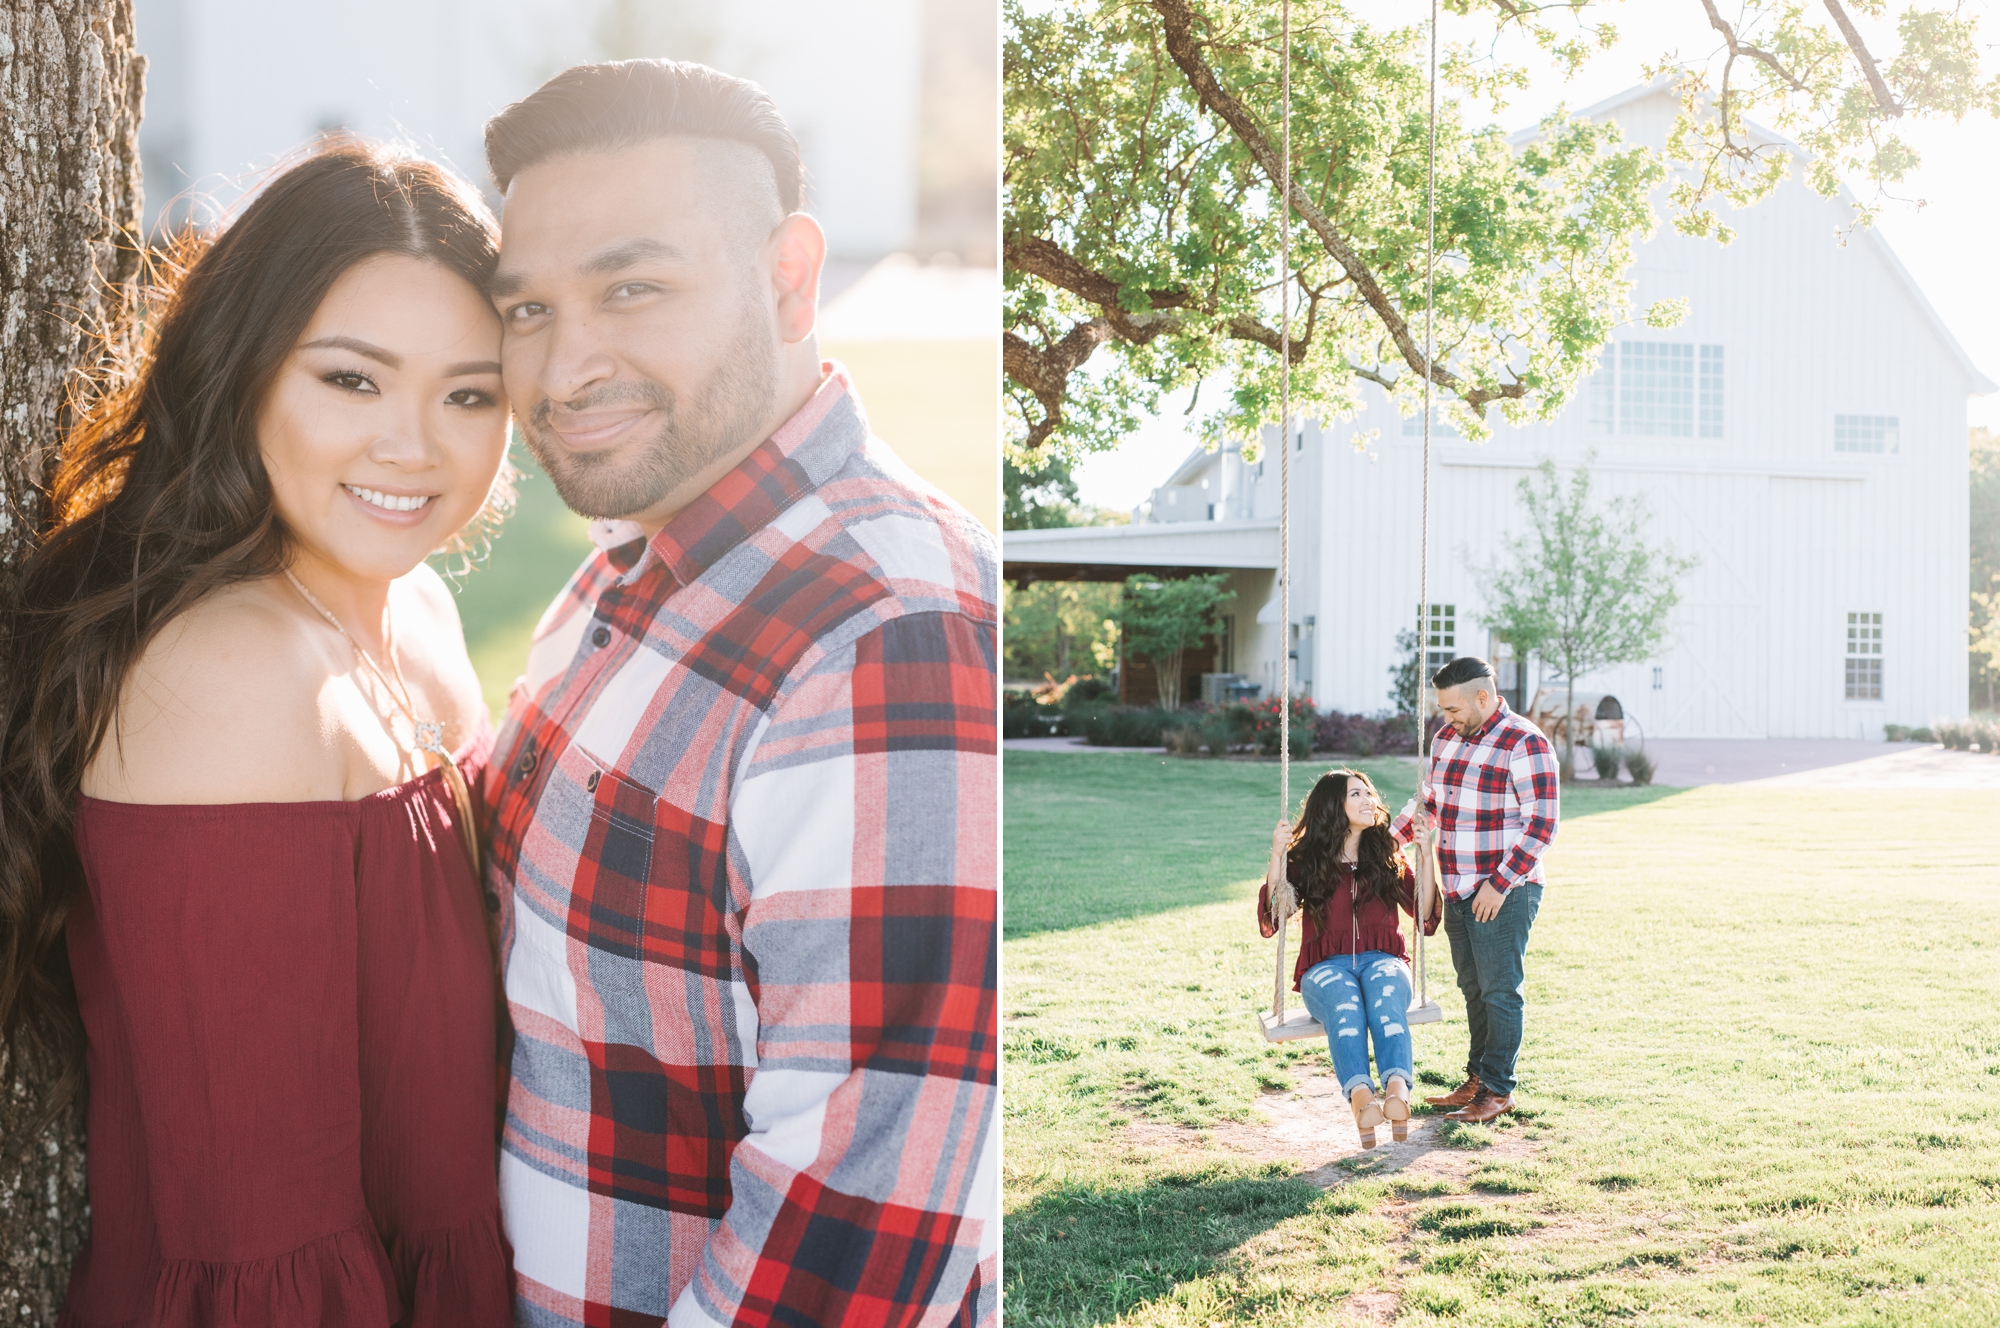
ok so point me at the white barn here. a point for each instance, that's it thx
(1803, 433)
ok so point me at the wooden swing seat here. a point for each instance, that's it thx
(1296, 1024)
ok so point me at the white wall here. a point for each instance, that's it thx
(233, 85)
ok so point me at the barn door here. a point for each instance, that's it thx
(1719, 656)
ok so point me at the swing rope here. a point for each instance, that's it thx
(1424, 557)
(1283, 901)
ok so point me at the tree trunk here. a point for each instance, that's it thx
(1168, 671)
(71, 88)
(1569, 723)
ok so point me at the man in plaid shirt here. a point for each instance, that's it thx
(742, 813)
(1492, 793)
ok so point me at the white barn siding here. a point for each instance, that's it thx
(1791, 534)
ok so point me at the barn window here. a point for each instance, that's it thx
(1656, 388)
(1711, 391)
(1664, 389)
(1602, 393)
(1864, 656)
(1866, 433)
(1441, 636)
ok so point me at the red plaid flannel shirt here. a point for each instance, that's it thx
(1493, 796)
(744, 830)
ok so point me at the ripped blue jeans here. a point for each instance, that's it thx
(1336, 990)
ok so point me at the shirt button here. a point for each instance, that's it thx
(590, 784)
(492, 902)
(526, 765)
(601, 637)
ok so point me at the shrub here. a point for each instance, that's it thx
(1236, 725)
(1895, 733)
(1266, 716)
(1953, 734)
(1208, 733)
(1022, 716)
(1639, 766)
(1089, 691)
(1124, 726)
(1605, 758)
(1984, 733)
(1922, 735)
(1365, 735)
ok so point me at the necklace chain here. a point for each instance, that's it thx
(430, 733)
(430, 737)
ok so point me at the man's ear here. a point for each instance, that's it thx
(798, 248)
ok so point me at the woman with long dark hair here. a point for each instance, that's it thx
(239, 896)
(1353, 969)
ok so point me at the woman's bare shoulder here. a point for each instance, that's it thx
(440, 638)
(427, 590)
(226, 705)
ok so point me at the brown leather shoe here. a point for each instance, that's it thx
(1459, 1096)
(1484, 1108)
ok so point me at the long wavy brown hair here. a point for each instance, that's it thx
(1322, 830)
(161, 498)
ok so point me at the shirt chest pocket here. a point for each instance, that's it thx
(614, 819)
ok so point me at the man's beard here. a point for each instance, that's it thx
(725, 411)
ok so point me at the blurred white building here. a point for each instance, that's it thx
(1803, 434)
(234, 85)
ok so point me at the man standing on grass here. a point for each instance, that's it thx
(744, 814)
(1492, 792)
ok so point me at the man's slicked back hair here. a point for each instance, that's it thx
(1464, 669)
(623, 103)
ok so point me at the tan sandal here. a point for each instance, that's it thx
(1367, 1113)
(1396, 1108)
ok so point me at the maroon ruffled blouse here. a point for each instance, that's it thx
(1346, 923)
(289, 1011)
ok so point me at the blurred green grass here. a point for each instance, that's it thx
(501, 598)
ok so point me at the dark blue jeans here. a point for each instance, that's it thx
(1491, 975)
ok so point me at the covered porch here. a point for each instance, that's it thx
(1246, 551)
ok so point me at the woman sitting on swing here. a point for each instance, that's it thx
(1353, 970)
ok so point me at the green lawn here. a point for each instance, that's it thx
(1761, 1082)
(501, 599)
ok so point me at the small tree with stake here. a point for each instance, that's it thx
(1582, 586)
(1160, 619)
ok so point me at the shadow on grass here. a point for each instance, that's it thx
(1098, 836)
(1080, 1255)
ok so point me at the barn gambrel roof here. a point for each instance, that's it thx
(1869, 235)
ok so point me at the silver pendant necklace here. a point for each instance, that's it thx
(430, 733)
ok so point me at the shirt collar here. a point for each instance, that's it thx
(806, 450)
(1500, 712)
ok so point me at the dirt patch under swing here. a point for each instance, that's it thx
(1310, 1124)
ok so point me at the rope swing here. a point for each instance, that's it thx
(1277, 1026)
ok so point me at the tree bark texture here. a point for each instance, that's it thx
(71, 90)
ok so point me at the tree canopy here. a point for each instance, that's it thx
(1142, 160)
(1985, 578)
(1160, 618)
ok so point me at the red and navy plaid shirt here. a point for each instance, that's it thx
(1493, 795)
(744, 828)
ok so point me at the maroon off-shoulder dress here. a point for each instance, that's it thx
(290, 1020)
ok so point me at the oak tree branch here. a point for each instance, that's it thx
(1178, 25)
